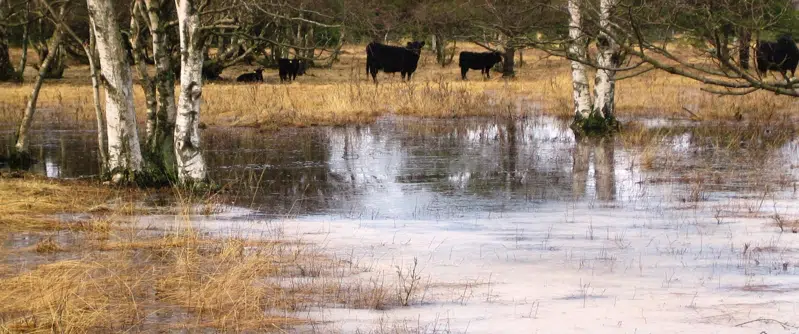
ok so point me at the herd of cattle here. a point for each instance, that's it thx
(781, 56)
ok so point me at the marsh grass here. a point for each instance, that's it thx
(103, 272)
(344, 95)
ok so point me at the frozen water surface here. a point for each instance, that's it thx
(516, 227)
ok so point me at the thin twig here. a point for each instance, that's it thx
(784, 325)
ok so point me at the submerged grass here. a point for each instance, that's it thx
(102, 272)
(344, 94)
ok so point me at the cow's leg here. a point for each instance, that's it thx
(487, 72)
(463, 72)
(373, 71)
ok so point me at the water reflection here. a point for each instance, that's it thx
(604, 171)
(411, 168)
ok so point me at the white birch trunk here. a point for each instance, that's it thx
(165, 79)
(124, 152)
(190, 162)
(94, 67)
(607, 59)
(580, 89)
(139, 53)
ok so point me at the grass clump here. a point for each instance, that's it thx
(110, 275)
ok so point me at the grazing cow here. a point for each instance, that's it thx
(781, 56)
(482, 61)
(252, 77)
(393, 59)
(288, 69)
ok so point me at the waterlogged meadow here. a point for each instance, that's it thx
(411, 225)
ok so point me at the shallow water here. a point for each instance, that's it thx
(435, 169)
(516, 225)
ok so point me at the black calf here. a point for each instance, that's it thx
(251, 77)
(482, 61)
(780, 56)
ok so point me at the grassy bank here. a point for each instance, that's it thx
(343, 94)
(75, 260)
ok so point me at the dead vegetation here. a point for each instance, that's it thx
(104, 272)
(344, 95)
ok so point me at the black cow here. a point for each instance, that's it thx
(252, 77)
(781, 56)
(289, 69)
(392, 59)
(482, 61)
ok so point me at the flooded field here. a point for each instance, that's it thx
(496, 225)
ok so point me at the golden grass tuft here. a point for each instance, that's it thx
(110, 276)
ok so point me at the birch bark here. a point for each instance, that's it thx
(124, 152)
(190, 161)
(580, 90)
(607, 59)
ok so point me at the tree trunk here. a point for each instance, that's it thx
(440, 47)
(577, 51)
(744, 45)
(7, 72)
(190, 162)
(21, 145)
(607, 59)
(162, 141)
(124, 152)
(337, 52)
(521, 58)
(508, 64)
(138, 50)
(94, 68)
(23, 60)
(59, 64)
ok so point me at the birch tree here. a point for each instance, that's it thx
(160, 141)
(608, 60)
(188, 152)
(593, 113)
(124, 152)
(577, 52)
(22, 144)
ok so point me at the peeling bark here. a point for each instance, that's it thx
(580, 90)
(124, 152)
(162, 141)
(190, 161)
(607, 59)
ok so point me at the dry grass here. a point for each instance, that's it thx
(104, 274)
(29, 202)
(344, 94)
